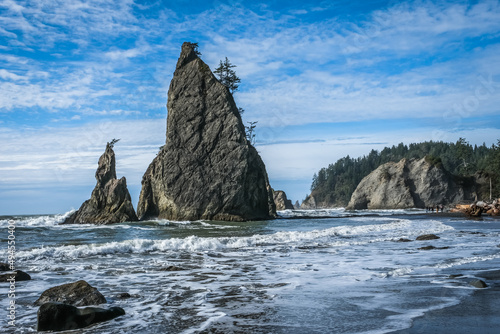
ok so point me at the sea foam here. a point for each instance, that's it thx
(330, 237)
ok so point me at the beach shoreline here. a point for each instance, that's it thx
(477, 313)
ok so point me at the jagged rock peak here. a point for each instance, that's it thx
(206, 169)
(110, 201)
(106, 169)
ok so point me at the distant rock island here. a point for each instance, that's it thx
(409, 183)
(281, 201)
(207, 169)
(110, 200)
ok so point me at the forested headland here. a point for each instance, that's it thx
(333, 186)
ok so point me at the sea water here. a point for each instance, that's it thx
(324, 271)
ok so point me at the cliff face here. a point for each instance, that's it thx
(309, 203)
(281, 201)
(206, 169)
(110, 200)
(408, 184)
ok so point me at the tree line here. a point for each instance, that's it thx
(336, 183)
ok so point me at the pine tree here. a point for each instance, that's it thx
(227, 76)
(250, 132)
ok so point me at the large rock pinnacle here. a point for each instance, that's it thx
(207, 169)
(110, 201)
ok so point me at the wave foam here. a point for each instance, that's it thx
(332, 237)
(37, 221)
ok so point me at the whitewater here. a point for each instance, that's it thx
(320, 271)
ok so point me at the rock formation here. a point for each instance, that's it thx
(61, 317)
(110, 200)
(309, 203)
(17, 275)
(408, 184)
(281, 201)
(207, 169)
(79, 293)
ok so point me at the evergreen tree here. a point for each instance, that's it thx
(227, 76)
(250, 132)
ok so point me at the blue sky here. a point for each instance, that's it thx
(323, 79)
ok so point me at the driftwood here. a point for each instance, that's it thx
(476, 209)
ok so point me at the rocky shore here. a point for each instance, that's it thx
(479, 208)
(61, 307)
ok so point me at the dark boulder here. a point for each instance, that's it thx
(78, 294)
(110, 201)
(477, 283)
(171, 268)
(123, 295)
(60, 317)
(455, 276)
(207, 168)
(403, 240)
(427, 237)
(4, 266)
(18, 275)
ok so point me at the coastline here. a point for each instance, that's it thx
(475, 314)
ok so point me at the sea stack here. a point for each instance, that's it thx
(207, 169)
(110, 201)
(281, 201)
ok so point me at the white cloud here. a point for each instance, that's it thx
(123, 54)
(68, 155)
(6, 75)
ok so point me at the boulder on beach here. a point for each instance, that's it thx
(409, 183)
(281, 201)
(79, 293)
(110, 201)
(207, 168)
(61, 317)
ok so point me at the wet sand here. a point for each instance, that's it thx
(478, 313)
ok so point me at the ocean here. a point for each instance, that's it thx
(321, 271)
